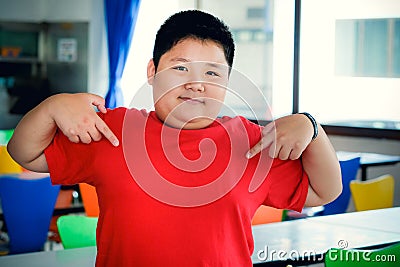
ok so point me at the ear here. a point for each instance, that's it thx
(151, 71)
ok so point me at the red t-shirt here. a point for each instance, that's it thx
(159, 211)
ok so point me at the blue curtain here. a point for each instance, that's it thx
(120, 21)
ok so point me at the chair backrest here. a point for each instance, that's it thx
(77, 231)
(64, 200)
(89, 199)
(349, 169)
(266, 214)
(7, 164)
(384, 257)
(5, 136)
(28, 206)
(377, 193)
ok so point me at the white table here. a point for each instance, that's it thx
(78, 257)
(305, 240)
(369, 160)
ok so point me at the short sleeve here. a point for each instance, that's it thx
(68, 163)
(289, 185)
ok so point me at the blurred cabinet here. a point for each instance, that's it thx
(66, 56)
(20, 45)
(41, 59)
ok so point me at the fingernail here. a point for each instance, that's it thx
(248, 155)
(116, 143)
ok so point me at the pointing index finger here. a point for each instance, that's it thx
(105, 130)
(266, 140)
(255, 149)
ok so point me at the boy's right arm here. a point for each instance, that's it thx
(73, 114)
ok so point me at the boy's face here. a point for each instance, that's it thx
(190, 84)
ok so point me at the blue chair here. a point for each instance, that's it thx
(28, 206)
(349, 169)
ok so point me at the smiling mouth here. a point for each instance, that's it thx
(192, 100)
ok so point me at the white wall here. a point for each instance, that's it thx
(45, 10)
(374, 98)
(149, 21)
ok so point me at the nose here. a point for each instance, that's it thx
(195, 86)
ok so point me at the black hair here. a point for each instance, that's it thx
(193, 24)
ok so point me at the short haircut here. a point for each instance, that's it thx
(193, 24)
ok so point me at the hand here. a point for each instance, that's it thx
(76, 118)
(292, 135)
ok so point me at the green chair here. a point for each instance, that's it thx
(384, 257)
(5, 136)
(77, 231)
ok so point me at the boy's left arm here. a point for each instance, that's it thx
(292, 139)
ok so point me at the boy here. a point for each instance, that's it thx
(154, 210)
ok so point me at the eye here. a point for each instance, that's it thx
(180, 68)
(212, 73)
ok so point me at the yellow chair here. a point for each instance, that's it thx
(377, 193)
(266, 214)
(7, 164)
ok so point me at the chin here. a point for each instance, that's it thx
(197, 124)
(187, 122)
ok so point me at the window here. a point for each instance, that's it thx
(349, 70)
(368, 47)
(349, 62)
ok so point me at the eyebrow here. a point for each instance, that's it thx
(180, 59)
(211, 64)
